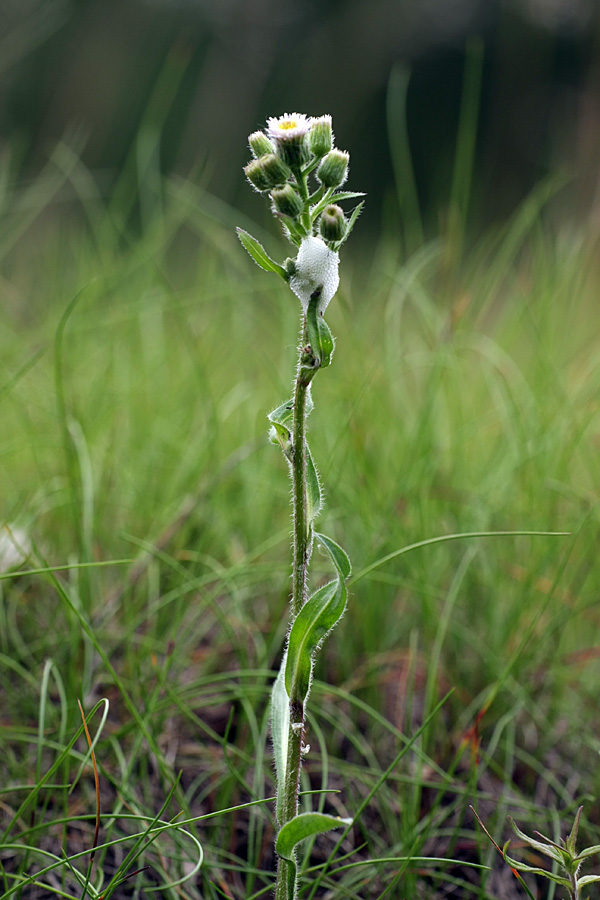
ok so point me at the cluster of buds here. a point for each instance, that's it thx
(292, 149)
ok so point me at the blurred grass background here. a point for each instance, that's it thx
(180, 83)
(140, 352)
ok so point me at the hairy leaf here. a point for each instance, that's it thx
(258, 253)
(333, 198)
(280, 727)
(316, 618)
(313, 488)
(303, 826)
(339, 556)
(314, 621)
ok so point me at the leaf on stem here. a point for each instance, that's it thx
(280, 727)
(282, 418)
(303, 826)
(318, 616)
(313, 489)
(333, 198)
(258, 253)
(339, 556)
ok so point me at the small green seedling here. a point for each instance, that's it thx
(568, 861)
(564, 854)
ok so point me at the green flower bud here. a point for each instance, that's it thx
(276, 171)
(260, 144)
(333, 170)
(293, 152)
(333, 224)
(320, 139)
(287, 201)
(267, 172)
(255, 174)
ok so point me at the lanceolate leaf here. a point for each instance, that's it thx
(313, 488)
(258, 253)
(326, 342)
(352, 221)
(333, 198)
(546, 848)
(303, 826)
(280, 727)
(339, 556)
(314, 621)
(533, 870)
(589, 851)
(316, 618)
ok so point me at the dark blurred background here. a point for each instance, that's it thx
(185, 82)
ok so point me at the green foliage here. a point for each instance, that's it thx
(565, 855)
(463, 400)
(304, 826)
(258, 253)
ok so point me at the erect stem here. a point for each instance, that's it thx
(283, 890)
(307, 366)
(299, 495)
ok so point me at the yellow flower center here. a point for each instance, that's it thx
(289, 125)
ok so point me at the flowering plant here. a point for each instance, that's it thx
(294, 148)
(291, 150)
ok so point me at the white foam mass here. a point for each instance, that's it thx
(316, 267)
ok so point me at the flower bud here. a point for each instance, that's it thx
(287, 201)
(266, 172)
(333, 170)
(320, 139)
(260, 144)
(333, 224)
(255, 174)
(293, 152)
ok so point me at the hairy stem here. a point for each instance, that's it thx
(302, 543)
(285, 887)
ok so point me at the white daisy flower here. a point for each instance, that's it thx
(316, 268)
(290, 126)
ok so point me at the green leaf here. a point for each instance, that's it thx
(587, 879)
(326, 342)
(313, 488)
(533, 870)
(258, 253)
(351, 222)
(280, 727)
(346, 195)
(547, 849)
(312, 329)
(333, 198)
(303, 826)
(339, 556)
(588, 851)
(316, 618)
(282, 419)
